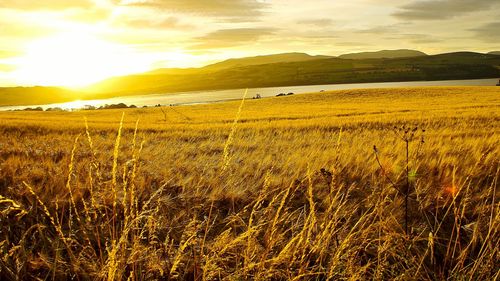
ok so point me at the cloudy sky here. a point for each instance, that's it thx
(77, 42)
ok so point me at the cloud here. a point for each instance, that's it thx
(319, 36)
(159, 24)
(232, 37)
(415, 38)
(237, 9)
(8, 54)
(6, 67)
(351, 44)
(316, 22)
(17, 29)
(488, 32)
(379, 29)
(91, 15)
(442, 9)
(45, 4)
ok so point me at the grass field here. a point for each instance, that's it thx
(360, 184)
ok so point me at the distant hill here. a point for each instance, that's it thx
(156, 78)
(240, 62)
(460, 65)
(35, 95)
(497, 53)
(173, 71)
(273, 71)
(389, 54)
(278, 58)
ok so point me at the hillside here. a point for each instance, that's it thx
(390, 54)
(170, 77)
(172, 71)
(494, 53)
(258, 60)
(272, 71)
(36, 95)
(463, 65)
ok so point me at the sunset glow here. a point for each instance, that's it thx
(75, 60)
(75, 43)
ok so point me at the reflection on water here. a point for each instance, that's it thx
(224, 95)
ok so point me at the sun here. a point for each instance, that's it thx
(76, 60)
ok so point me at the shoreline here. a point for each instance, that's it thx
(207, 97)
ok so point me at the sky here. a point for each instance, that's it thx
(78, 42)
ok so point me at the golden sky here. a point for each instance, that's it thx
(78, 42)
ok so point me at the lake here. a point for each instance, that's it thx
(199, 97)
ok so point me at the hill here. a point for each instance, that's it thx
(258, 60)
(36, 95)
(174, 71)
(273, 71)
(494, 53)
(462, 65)
(168, 77)
(403, 53)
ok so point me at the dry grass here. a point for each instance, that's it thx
(292, 190)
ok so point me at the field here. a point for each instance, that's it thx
(361, 184)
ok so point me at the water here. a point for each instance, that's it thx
(224, 95)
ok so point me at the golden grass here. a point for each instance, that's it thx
(303, 195)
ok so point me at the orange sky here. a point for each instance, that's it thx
(78, 42)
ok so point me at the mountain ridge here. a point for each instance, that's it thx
(312, 71)
(264, 59)
(387, 54)
(328, 70)
(11, 96)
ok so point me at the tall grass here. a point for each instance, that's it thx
(300, 199)
(226, 157)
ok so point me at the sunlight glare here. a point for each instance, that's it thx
(76, 60)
